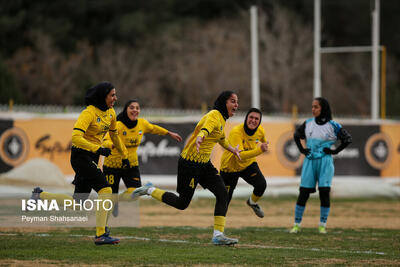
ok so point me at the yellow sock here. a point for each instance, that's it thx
(101, 214)
(58, 197)
(114, 199)
(254, 198)
(219, 223)
(107, 217)
(158, 193)
(126, 196)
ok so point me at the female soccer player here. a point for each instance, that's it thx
(195, 167)
(93, 124)
(250, 137)
(320, 132)
(130, 130)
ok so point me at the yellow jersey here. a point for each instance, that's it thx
(91, 127)
(247, 144)
(131, 138)
(211, 127)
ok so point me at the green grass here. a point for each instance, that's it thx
(258, 246)
(186, 246)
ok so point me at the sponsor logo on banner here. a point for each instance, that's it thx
(14, 146)
(161, 149)
(288, 153)
(48, 147)
(379, 150)
(160, 154)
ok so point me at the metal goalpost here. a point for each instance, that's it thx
(374, 49)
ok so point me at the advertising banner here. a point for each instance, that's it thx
(388, 158)
(159, 154)
(375, 150)
(9, 156)
(50, 139)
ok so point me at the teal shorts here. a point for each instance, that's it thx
(319, 171)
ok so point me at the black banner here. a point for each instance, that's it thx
(159, 154)
(8, 145)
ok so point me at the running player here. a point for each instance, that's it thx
(89, 130)
(250, 137)
(195, 167)
(320, 132)
(131, 129)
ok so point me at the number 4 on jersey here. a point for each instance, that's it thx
(191, 184)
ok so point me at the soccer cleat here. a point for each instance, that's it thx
(222, 240)
(295, 229)
(256, 208)
(140, 191)
(36, 193)
(322, 230)
(115, 210)
(107, 233)
(105, 239)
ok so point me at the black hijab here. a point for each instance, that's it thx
(247, 129)
(96, 95)
(326, 114)
(220, 103)
(123, 116)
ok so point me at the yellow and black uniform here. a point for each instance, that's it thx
(232, 168)
(130, 133)
(196, 168)
(87, 137)
(210, 126)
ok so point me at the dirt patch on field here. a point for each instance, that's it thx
(333, 261)
(359, 214)
(383, 214)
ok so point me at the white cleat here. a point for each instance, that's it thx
(222, 240)
(140, 191)
(256, 208)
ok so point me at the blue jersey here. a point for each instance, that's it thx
(320, 136)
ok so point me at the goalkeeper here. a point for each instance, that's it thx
(321, 132)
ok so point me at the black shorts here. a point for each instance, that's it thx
(252, 175)
(88, 175)
(189, 175)
(131, 177)
(192, 173)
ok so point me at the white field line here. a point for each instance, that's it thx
(239, 245)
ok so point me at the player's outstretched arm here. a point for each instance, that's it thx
(175, 136)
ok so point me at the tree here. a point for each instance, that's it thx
(286, 60)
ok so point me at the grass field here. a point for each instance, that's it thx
(163, 238)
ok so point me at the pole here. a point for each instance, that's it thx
(317, 48)
(383, 83)
(255, 81)
(375, 61)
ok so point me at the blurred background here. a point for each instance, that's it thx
(53, 51)
(175, 57)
